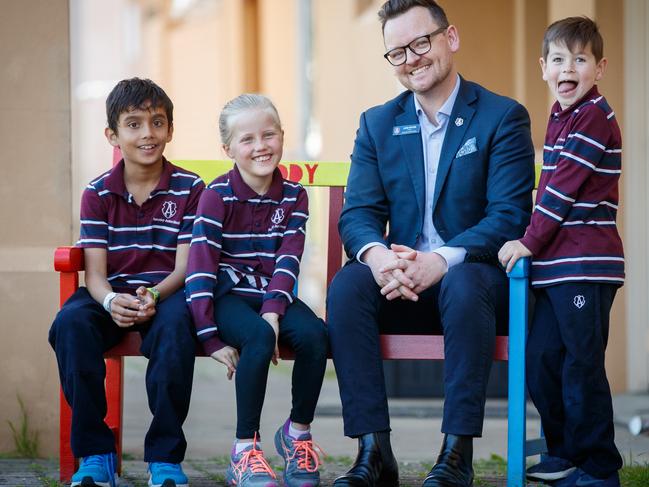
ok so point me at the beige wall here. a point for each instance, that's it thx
(529, 88)
(191, 85)
(610, 16)
(636, 182)
(35, 202)
(278, 57)
(216, 52)
(349, 74)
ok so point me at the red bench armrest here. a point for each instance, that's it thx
(68, 259)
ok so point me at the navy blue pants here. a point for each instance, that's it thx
(566, 376)
(82, 331)
(464, 306)
(241, 327)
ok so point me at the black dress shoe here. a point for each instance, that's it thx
(375, 465)
(454, 464)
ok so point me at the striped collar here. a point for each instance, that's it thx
(243, 192)
(114, 182)
(559, 114)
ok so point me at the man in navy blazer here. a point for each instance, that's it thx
(441, 177)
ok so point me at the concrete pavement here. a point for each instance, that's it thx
(415, 422)
(211, 423)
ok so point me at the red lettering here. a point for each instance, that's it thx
(311, 170)
(283, 170)
(295, 173)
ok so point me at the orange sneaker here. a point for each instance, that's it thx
(249, 468)
(300, 457)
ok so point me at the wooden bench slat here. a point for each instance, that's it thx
(427, 347)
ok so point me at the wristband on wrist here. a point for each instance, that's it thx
(108, 300)
(155, 293)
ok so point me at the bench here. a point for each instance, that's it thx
(68, 261)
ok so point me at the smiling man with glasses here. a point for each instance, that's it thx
(448, 167)
(420, 46)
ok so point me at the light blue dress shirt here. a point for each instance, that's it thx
(432, 138)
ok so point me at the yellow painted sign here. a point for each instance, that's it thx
(307, 173)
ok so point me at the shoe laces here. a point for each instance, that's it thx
(306, 452)
(253, 459)
(107, 461)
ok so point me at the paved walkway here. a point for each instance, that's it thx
(201, 473)
(210, 431)
(416, 423)
(210, 427)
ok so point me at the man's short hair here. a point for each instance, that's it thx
(133, 93)
(575, 33)
(394, 8)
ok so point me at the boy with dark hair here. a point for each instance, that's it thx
(136, 225)
(577, 263)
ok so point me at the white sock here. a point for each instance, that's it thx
(295, 433)
(240, 446)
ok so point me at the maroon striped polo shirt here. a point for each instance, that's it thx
(247, 244)
(140, 241)
(573, 234)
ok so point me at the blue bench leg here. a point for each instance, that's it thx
(518, 300)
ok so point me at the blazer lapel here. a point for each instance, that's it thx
(413, 150)
(457, 124)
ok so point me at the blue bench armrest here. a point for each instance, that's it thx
(518, 305)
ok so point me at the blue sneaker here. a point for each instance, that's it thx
(96, 471)
(300, 458)
(249, 468)
(167, 475)
(550, 468)
(586, 480)
(569, 481)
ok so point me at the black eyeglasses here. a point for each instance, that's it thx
(421, 45)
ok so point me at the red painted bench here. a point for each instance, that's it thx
(68, 261)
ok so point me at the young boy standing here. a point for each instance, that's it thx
(577, 263)
(136, 226)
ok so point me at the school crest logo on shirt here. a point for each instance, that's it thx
(278, 216)
(169, 209)
(579, 301)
